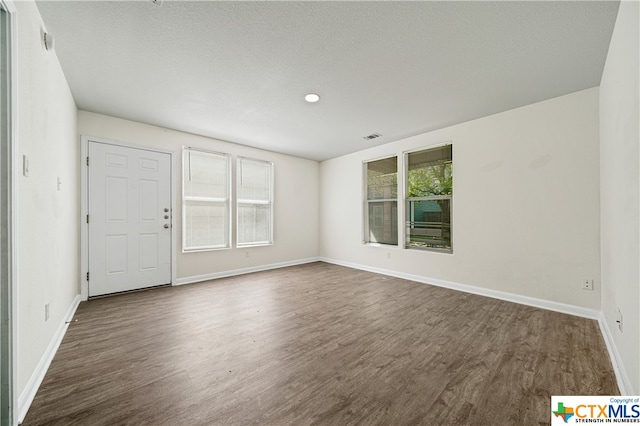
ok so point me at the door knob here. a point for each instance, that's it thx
(166, 225)
(166, 210)
(166, 216)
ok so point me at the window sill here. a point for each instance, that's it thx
(198, 250)
(430, 250)
(394, 246)
(241, 246)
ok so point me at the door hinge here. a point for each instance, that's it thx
(87, 218)
(87, 161)
(87, 275)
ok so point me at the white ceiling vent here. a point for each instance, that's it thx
(372, 136)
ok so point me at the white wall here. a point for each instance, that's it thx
(47, 219)
(525, 208)
(296, 190)
(620, 189)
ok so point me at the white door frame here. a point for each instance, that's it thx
(84, 205)
(10, 217)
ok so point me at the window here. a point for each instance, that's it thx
(254, 202)
(205, 200)
(381, 204)
(429, 195)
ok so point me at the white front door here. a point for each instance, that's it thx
(129, 192)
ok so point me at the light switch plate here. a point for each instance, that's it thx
(25, 166)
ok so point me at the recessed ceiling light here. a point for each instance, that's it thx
(312, 97)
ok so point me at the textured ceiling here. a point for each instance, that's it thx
(238, 71)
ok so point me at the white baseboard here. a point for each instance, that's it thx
(624, 382)
(233, 272)
(495, 294)
(30, 390)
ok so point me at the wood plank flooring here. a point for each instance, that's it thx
(317, 344)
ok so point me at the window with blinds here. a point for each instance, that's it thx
(429, 196)
(254, 196)
(206, 222)
(381, 201)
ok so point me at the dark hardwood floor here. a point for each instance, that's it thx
(317, 344)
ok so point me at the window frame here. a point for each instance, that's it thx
(407, 200)
(227, 200)
(366, 202)
(239, 201)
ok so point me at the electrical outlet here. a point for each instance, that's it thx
(587, 284)
(619, 319)
(388, 255)
(246, 253)
(46, 312)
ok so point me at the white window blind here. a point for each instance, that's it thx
(254, 202)
(205, 195)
